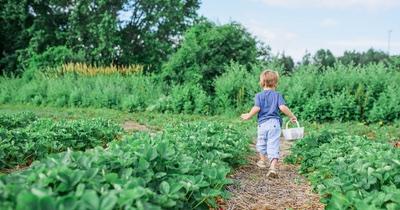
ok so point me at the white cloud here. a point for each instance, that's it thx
(368, 4)
(328, 23)
(269, 34)
(279, 39)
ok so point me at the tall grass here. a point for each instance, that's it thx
(90, 70)
(340, 93)
(133, 93)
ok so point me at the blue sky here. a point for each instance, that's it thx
(294, 26)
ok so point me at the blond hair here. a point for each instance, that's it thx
(269, 79)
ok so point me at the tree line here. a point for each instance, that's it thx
(165, 36)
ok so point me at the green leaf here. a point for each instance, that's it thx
(47, 203)
(164, 187)
(25, 199)
(143, 164)
(91, 199)
(108, 201)
(80, 189)
(160, 174)
(112, 178)
(126, 197)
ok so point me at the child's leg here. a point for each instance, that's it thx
(273, 143)
(263, 157)
(261, 145)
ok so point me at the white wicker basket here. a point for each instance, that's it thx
(293, 133)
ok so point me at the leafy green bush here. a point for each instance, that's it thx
(343, 93)
(387, 107)
(205, 50)
(350, 172)
(18, 120)
(339, 93)
(235, 89)
(132, 93)
(182, 168)
(187, 98)
(27, 138)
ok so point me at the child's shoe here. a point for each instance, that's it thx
(272, 173)
(262, 164)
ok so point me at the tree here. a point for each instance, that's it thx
(306, 60)
(364, 58)
(152, 31)
(14, 22)
(373, 56)
(206, 49)
(324, 58)
(286, 62)
(147, 34)
(350, 58)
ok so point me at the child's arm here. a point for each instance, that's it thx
(288, 113)
(252, 112)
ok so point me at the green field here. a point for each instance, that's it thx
(181, 161)
(136, 105)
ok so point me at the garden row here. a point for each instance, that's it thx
(350, 172)
(184, 167)
(340, 93)
(24, 137)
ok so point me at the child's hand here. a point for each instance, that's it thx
(293, 119)
(245, 116)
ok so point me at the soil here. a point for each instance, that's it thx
(252, 189)
(131, 126)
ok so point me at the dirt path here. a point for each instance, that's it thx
(131, 126)
(252, 189)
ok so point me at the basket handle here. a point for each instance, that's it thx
(297, 122)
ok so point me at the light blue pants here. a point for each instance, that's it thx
(268, 135)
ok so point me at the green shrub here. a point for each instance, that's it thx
(132, 93)
(344, 107)
(235, 89)
(205, 50)
(185, 167)
(187, 98)
(387, 107)
(350, 172)
(25, 138)
(317, 108)
(49, 60)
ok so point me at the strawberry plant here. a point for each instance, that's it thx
(351, 172)
(10, 121)
(22, 145)
(163, 171)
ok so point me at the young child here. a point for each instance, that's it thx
(267, 105)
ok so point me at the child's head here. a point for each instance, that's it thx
(269, 79)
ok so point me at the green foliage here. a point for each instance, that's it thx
(101, 31)
(350, 172)
(323, 59)
(235, 89)
(149, 34)
(25, 138)
(286, 63)
(205, 50)
(187, 99)
(340, 93)
(343, 93)
(132, 93)
(17, 120)
(182, 168)
(363, 58)
(50, 59)
(387, 107)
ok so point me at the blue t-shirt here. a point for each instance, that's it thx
(269, 102)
